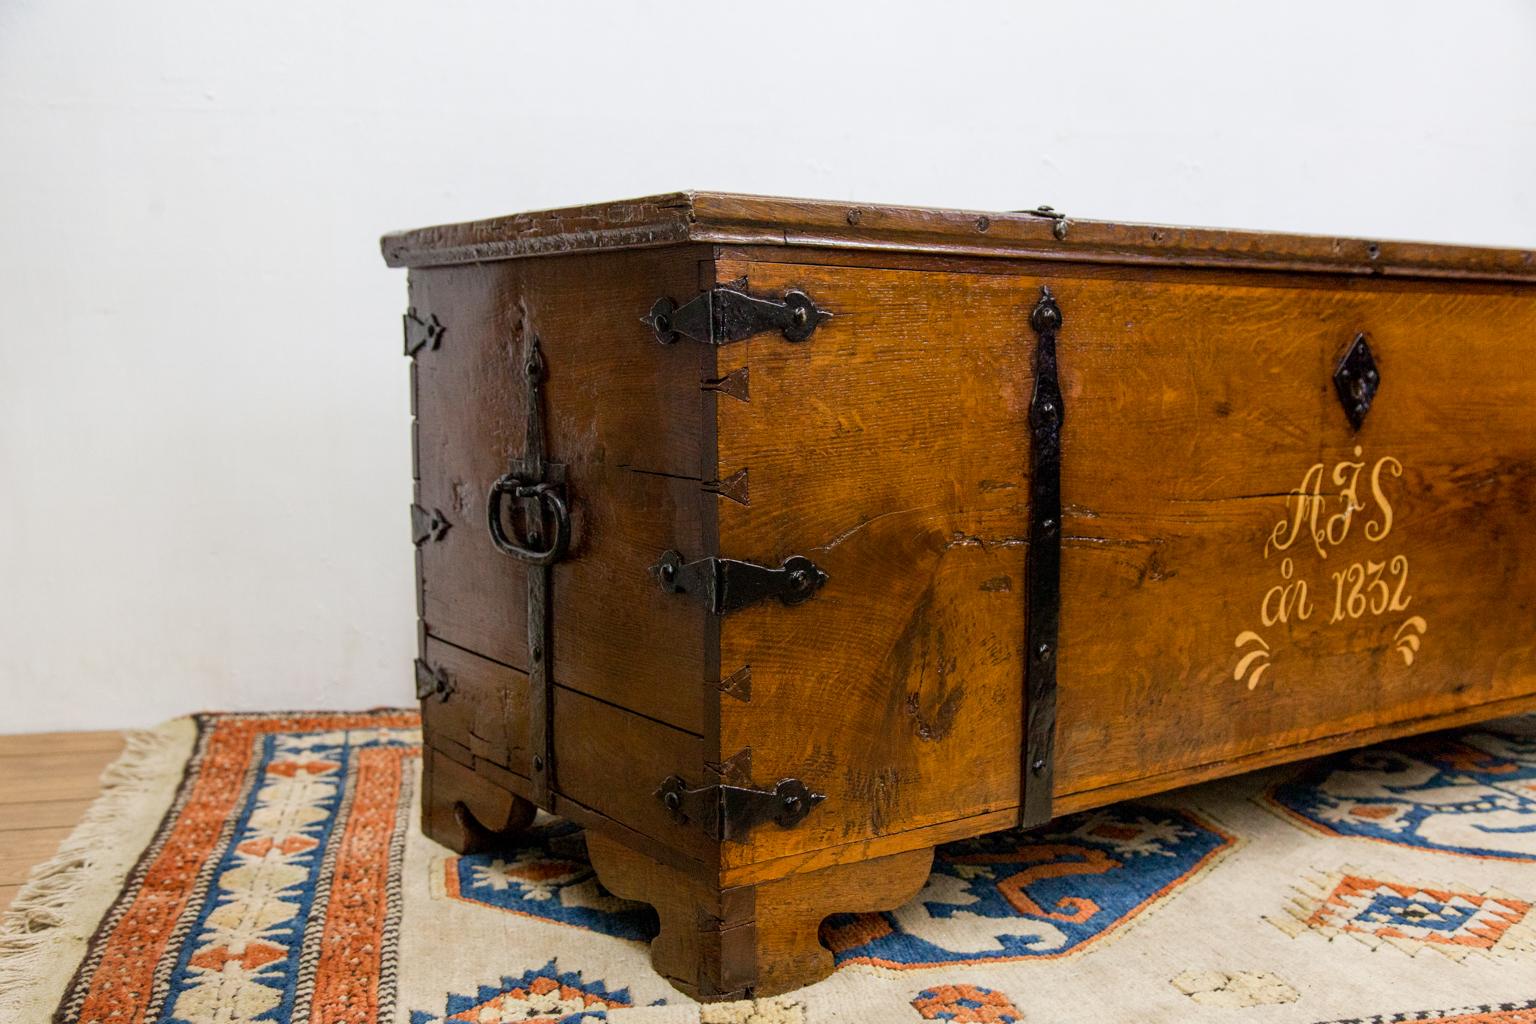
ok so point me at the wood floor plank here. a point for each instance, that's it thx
(20, 850)
(46, 777)
(41, 814)
(33, 744)
(47, 781)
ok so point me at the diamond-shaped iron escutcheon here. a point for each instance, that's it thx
(1357, 380)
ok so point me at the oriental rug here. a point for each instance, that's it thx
(241, 869)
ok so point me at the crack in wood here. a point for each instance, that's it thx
(835, 541)
(960, 539)
(657, 472)
(1118, 542)
(1234, 497)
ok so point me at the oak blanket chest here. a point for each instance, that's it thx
(775, 542)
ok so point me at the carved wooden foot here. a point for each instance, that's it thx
(466, 813)
(751, 940)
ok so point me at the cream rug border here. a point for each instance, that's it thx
(43, 936)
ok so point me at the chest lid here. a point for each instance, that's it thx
(1042, 233)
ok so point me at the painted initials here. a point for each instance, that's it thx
(1307, 506)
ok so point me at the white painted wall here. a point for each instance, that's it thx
(203, 425)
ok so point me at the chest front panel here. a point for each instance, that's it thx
(890, 448)
(1242, 569)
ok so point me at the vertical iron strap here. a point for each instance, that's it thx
(1043, 568)
(541, 704)
(540, 680)
(537, 486)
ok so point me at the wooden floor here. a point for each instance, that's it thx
(47, 780)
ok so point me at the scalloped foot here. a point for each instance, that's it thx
(751, 940)
(466, 813)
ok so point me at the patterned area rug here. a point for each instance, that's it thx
(268, 868)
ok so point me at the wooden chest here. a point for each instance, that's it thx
(775, 542)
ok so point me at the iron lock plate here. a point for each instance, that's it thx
(1356, 380)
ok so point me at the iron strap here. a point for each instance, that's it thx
(726, 313)
(725, 584)
(536, 489)
(541, 703)
(1043, 568)
(728, 813)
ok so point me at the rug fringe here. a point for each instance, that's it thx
(65, 896)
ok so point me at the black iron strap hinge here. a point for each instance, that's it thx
(724, 584)
(422, 334)
(725, 314)
(728, 813)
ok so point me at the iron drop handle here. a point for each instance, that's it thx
(548, 497)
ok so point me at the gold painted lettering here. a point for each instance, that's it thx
(1377, 530)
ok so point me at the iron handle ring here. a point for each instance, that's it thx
(547, 495)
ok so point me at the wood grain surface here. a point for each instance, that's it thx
(889, 451)
(1246, 578)
(623, 413)
(1202, 419)
(756, 940)
(1194, 411)
(47, 781)
(728, 219)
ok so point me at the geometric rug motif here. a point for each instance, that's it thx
(1008, 895)
(1412, 917)
(965, 1004)
(287, 882)
(543, 994)
(272, 890)
(1521, 1011)
(1014, 895)
(1473, 795)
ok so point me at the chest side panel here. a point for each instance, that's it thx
(621, 414)
(889, 449)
